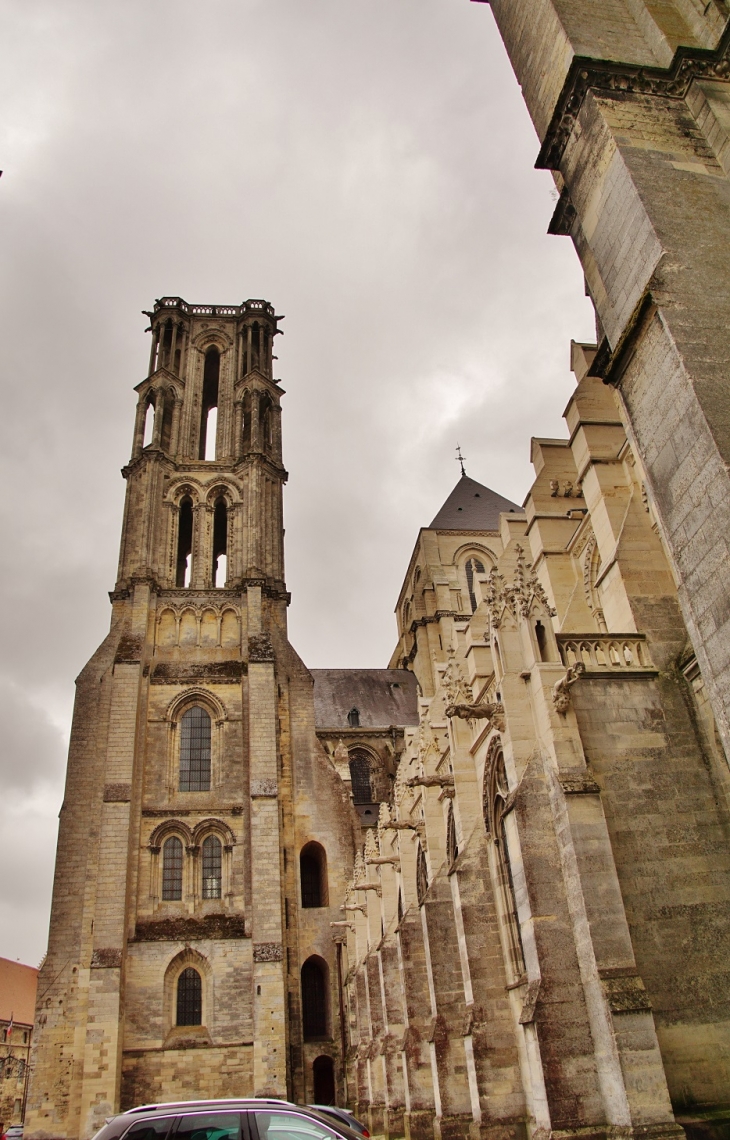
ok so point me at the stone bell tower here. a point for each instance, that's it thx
(195, 776)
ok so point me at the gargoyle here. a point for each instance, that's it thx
(430, 782)
(493, 712)
(561, 688)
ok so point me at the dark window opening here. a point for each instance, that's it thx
(255, 345)
(353, 718)
(313, 875)
(212, 867)
(400, 907)
(184, 543)
(195, 751)
(220, 544)
(166, 434)
(541, 636)
(421, 876)
(473, 566)
(496, 792)
(209, 410)
(265, 423)
(452, 847)
(189, 998)
(314, 999)
(362, 792)
(247, 422)
(323, 1080)
(166, 345)
(172, 869)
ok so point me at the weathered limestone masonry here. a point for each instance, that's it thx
(540, 922)
(631, 102)
(195, 777)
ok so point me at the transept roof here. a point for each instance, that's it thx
(472, 506)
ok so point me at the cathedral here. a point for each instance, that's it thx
(483, 892)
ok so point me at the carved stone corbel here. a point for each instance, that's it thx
(383, 860)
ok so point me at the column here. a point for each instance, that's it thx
(269, 983)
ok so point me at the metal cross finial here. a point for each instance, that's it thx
(460, 458)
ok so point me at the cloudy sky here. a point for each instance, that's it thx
(367, 166)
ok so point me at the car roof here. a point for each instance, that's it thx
(188, 1105)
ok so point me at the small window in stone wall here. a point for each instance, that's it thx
(189, 998)
(313, 875)
(172, 869)
(473, 566)
(314, 999)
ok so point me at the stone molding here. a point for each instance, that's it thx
(586, 74)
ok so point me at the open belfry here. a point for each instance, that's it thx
(483, 892)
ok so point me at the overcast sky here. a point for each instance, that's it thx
(365, 165)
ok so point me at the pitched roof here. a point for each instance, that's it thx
(17, 991)
(472, 506)
(383, 697)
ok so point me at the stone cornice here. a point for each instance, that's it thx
(612, 78)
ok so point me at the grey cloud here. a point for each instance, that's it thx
(368, 167)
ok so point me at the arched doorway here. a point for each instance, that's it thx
(323, 1071)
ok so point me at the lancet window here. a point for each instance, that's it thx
(421, 876)
(314, 998)
(452, 846)
(189, 998)
(220, 543)
(313, 875)
(362, 792)
(472, 567)
(209, 409)
(496, 798)
(195, 750)
(184, 543)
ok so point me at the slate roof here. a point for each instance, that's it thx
(472, 506)
(383, 697)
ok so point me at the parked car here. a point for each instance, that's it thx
(344, 1115)
(13, 1132)
(246, 1119)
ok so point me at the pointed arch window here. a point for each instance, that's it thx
(473, 567)
(149, 424)
(212, 867)
(195, 750)
(172, 869)
(189, 998)
(362, 792)
(496, 793)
